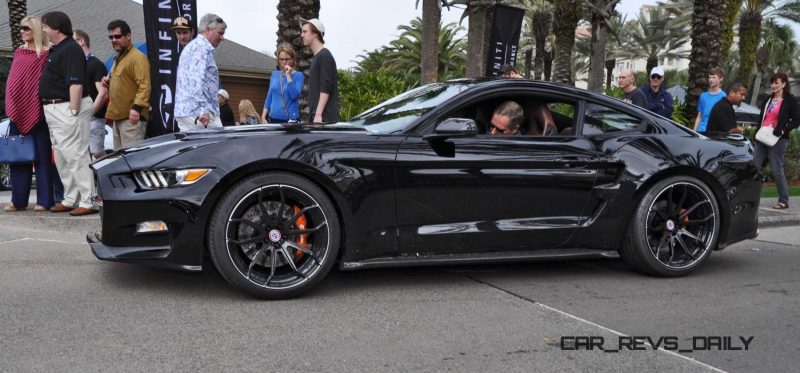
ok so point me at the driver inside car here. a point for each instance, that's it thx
(506, 119)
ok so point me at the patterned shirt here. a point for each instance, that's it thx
(197, 80)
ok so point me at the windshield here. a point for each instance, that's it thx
(398, 113)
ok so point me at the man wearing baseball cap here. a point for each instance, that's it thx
(183, 31)
(225, 111)
(323, 90)
(659, 100)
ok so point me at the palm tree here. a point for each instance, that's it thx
(602, 11)
(706, 47)
(16, 12)
(729, 20)
(655, 36)
(289, 14)
(538, 27)
(566, 15)
(749, 38)
(431, 22)
(616, 28)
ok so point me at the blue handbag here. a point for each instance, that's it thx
(16, 149)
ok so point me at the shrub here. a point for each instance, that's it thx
(361, 91)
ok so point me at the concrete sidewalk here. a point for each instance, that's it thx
(64, 223)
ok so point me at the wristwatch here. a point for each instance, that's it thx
(73, 112)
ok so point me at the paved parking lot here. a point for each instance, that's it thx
(64, 310)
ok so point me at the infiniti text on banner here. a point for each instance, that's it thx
(163, 50)
(505, 38)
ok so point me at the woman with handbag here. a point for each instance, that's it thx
(24, 107)
(780, 114)
(285, 85)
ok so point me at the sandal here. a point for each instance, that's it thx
(780, 206)
(11, 208)
(40, 208)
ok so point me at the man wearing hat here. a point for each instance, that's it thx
(183, 31)
(659, 100)
(323, 90)
(225, 111)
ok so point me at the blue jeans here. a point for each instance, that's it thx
(775, 154)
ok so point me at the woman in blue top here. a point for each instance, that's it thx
(285, 86)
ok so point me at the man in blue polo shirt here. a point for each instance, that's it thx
(709, 99)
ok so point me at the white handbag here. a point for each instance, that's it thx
(765, 136)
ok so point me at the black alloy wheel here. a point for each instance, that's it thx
(275, 235)
(674, 229)
(5, 177)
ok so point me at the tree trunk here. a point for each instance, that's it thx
(528, 58)
(480, 22)
(598, 56)
(728, 21)
(651, 63)
(749, 38)
(610, 65)
(17, 10)
(566, 15)
(431, 20)
(289, 14)
(541, 21)
(548, 64)
(706, 47)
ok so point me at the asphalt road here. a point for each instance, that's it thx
(63, 310)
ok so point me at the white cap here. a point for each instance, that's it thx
(658, 70)
(315, 22)
(224, 93)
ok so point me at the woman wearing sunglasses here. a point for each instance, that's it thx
(25, 110)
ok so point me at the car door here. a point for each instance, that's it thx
(491, 193)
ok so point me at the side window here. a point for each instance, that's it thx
(603, 119)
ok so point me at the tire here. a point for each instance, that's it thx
(5, 177)
(274, 235)
(674, 229)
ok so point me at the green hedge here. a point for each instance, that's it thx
(359, 92)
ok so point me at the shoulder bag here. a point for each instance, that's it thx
(764, 134)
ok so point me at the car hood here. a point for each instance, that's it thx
(151, 152)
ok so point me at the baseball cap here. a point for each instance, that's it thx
(224, 93)
(181, 23)
(315, 22)
(658, 70)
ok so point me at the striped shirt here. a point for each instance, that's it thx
(22, 100)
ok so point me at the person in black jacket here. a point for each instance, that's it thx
(225, 111)
(659, 100)
(782, 113)
(723, 116)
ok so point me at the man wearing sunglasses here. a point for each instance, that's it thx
(506, 119)
(128, 87)
(659, 100)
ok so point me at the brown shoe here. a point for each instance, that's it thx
(60, 208)
(81, 211)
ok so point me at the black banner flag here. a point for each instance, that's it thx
(163, 50)
(505, 38)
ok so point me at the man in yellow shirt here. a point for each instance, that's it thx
(128, 87)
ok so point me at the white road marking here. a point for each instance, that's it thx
(41, 239)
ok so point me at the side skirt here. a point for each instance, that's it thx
(483, 258)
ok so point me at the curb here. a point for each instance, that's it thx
(778, 221)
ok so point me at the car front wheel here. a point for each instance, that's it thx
(674, 229)
(274, 235)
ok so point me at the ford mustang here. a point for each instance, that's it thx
(419, 180)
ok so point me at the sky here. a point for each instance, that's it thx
(351, 26)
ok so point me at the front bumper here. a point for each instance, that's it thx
(152, 255)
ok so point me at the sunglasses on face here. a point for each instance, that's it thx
(24, 28)
(115, 36)
(492, 127)
(655, 76)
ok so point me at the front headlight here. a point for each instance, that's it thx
(159, 179)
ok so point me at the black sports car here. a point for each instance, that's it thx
(418, 181)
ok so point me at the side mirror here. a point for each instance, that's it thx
(453, 127)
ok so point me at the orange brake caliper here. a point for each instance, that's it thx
(300, 223)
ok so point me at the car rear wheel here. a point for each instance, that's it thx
(274, 235)
(674, 229)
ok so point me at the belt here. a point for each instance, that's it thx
(51, 101)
